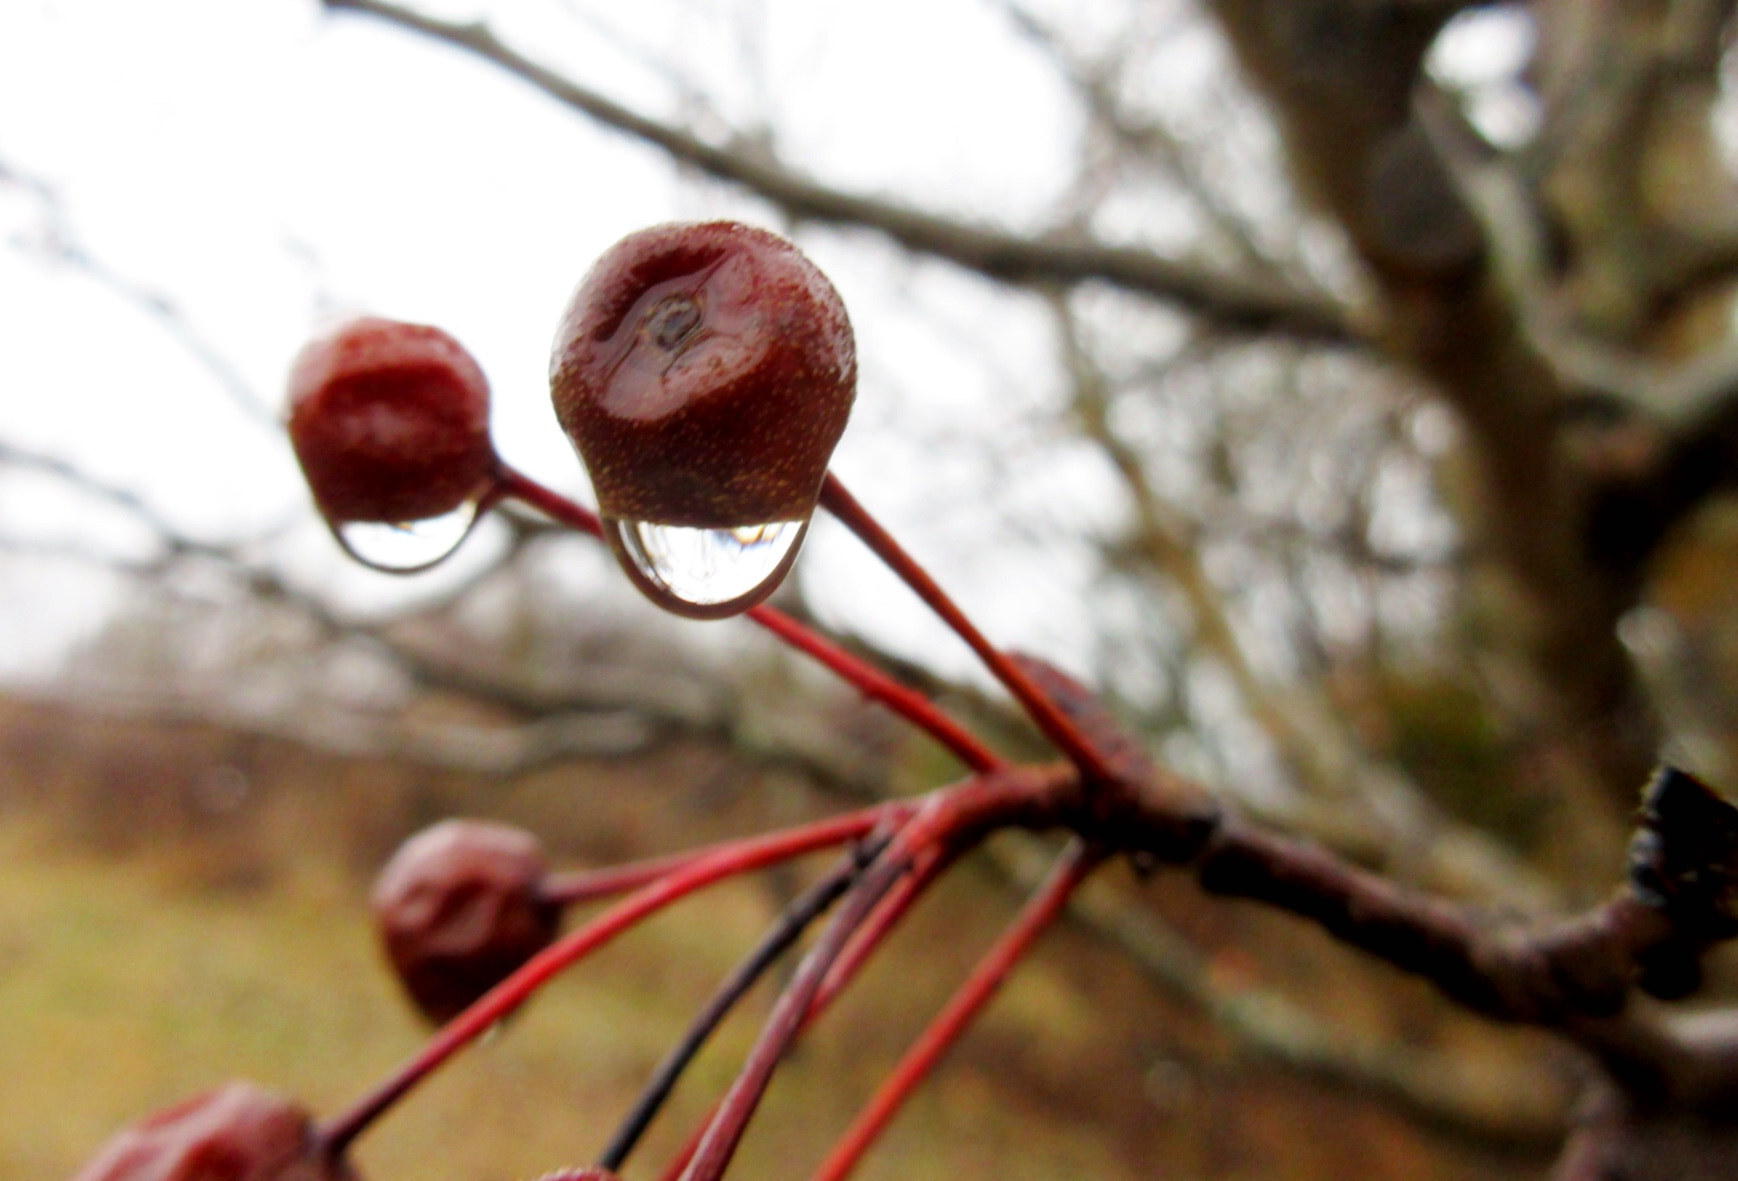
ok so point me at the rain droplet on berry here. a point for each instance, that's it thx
(405, 547)
(706, 573)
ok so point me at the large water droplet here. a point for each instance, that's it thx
(404, 547)
(706, 573)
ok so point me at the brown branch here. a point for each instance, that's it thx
(1231, 303)
(1273, 1031)
(1681, 900)
(1343, 79)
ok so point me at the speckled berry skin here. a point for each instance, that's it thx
(237, 1132)
(459, 907)
(390, 422)
(705, 372)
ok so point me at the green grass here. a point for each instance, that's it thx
(122, 988)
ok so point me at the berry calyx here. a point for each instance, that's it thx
(459, 908)
(236, 1132)
(705, 372)
(390, 422)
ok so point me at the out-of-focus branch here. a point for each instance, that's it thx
(1271, 1029)
(1625, 167)
(1097, 83)
(1336, 780)
(1342, 77)
(63, 246)
(610, 712)
(1229, 302)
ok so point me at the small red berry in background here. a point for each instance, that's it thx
(237, 1132)
(705, 372)
(459, 907)
(390, 422)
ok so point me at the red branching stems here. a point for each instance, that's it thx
(947, 820)
(1076, 863)
(790, 925)
(724, 861)
(927, 866)
(579, 886)
(724, 1131)
(1038, 706)
(868, 680)
(589, 885)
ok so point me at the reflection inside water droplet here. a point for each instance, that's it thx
(404, 547)
(706, 573)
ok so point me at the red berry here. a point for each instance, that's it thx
(705, 372)
(459, 907)
(390, 422)
(237, 1132)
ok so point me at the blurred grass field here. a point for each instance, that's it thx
(154, 943)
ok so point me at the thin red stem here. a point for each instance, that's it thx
(724, 1131)
(868, 937)
(581, 886)
(946, 818)
(1038, 705)
(728, 860)
(928, 866)
(957, 1015)
(868, 680)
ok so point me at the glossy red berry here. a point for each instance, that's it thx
(705, 372)
(390, 422)
(459, 907)
(237, 1132)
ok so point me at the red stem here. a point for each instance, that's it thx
(877, 926)
(1039, 707)
(945, 818)
(957, 1015)
(724, 1130)
(868, 680)
(928, 866)
(723, 861)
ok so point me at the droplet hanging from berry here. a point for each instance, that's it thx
(390, 422)
(706, 571)
(405, 547)
(705, 372)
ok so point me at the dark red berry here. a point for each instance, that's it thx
(238, 1132)
(705, 372)
(459, 907)
(390, 422)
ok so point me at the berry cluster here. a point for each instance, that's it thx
(705, 373)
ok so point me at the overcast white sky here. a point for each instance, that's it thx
(262, 164)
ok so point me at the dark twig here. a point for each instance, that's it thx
(796, 918)
(1232, 303)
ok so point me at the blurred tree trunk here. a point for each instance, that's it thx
(1624, 216)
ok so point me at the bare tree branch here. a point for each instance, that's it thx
(1231, 303)
(1273, 1030)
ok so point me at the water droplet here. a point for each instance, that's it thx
(404, 547)
(706, 573)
